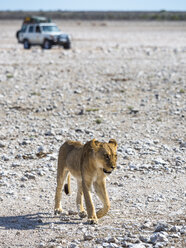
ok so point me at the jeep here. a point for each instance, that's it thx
(41, 31)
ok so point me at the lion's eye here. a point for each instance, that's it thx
(107, 156)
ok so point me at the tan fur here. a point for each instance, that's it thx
(89, 164)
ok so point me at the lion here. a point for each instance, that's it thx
(89, 164)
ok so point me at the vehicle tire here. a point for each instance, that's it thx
(47, 44)
(67, 45)
(26, 44)
(17, 34)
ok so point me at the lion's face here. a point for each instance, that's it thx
(106, 155)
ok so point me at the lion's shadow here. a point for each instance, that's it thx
(37, 220)
(27, 222)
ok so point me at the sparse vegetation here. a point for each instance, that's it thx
(92, 110)
(9, 76)
(182, 91)
(98, 121)
(35, 94)
(130, 108)
(99, 15)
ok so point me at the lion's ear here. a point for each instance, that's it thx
(113, 142)
(94, 144)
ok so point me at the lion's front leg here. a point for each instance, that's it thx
(100, 188)
(92, 217)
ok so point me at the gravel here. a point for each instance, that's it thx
(122, 80)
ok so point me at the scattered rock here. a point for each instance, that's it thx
(183, 230)
(28, 156)
(88, 237)
(2, 145)
(5, 158)
(147, 224)
(160, 161)
(135, 91)
(29, 176)
(16, 165)
(158, 237)
(71, 212)
(24, 178)
(136, 246)
(175, 229)
(161, 227)
(49, 133)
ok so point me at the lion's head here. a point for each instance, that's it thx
(105, 154)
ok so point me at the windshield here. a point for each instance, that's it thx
(23, 28)
(50, 29)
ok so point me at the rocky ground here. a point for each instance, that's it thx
(122, 80)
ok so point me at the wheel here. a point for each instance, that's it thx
(47, 44)
(17, 34)
(67, 45)
(26, 44)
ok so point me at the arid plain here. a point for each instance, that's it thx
(121, 80)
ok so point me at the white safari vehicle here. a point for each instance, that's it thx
(41, 31)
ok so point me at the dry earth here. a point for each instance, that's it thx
(122, 80)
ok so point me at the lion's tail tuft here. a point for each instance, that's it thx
(67, 186)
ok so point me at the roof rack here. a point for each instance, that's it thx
(36, 19)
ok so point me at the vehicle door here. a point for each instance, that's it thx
(38, 35)
(30, 34)
(22, 33)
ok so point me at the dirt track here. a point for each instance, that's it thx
(122, 80)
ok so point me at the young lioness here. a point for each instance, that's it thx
(89, 163)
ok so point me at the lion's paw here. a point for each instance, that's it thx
(92, 221)
(82, 214)
(58, 211)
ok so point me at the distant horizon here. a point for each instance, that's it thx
(55, 10)
(96, 5)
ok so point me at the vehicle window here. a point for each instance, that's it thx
(31, 29)
(23, 29)
(38, 29)
(50, 29)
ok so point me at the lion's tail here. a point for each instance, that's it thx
(67, 185)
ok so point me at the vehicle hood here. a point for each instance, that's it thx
(56, 34)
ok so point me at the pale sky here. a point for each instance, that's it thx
(118, 5)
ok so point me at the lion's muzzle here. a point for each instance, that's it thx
(107, 172)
